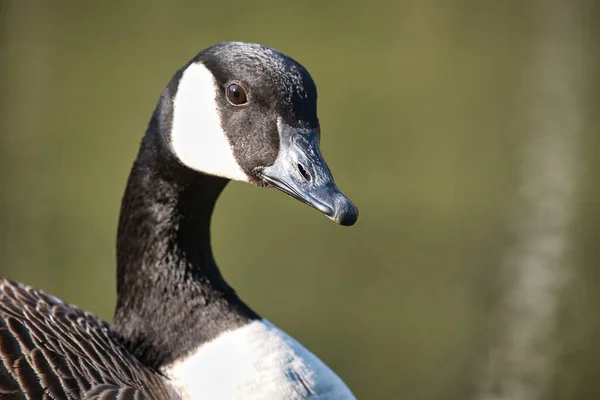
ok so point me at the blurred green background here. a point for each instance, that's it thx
(429, 112)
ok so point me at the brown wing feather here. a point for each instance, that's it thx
(53, 350)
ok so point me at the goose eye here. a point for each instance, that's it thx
(236, 94)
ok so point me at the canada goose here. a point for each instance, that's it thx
(237, 111)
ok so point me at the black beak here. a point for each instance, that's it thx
(301, 172)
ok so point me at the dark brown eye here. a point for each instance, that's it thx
(236, 94)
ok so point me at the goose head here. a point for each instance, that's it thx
(248, 113)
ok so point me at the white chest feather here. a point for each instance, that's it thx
(257, 361)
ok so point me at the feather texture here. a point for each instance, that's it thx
(53, 350)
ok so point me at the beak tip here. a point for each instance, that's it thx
(348, 220)
(345, 213)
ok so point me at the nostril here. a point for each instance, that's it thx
(304, 172)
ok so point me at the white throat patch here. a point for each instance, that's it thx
(257, 361)
(197, 136)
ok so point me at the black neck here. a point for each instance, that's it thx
(171, 297)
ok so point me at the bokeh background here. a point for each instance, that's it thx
(465, 131)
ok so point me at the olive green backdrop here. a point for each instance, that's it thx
(425, 115)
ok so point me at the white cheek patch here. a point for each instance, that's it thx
(197, 136)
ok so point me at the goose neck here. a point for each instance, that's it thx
(171, 296)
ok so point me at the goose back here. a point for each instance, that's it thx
(54, 350)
